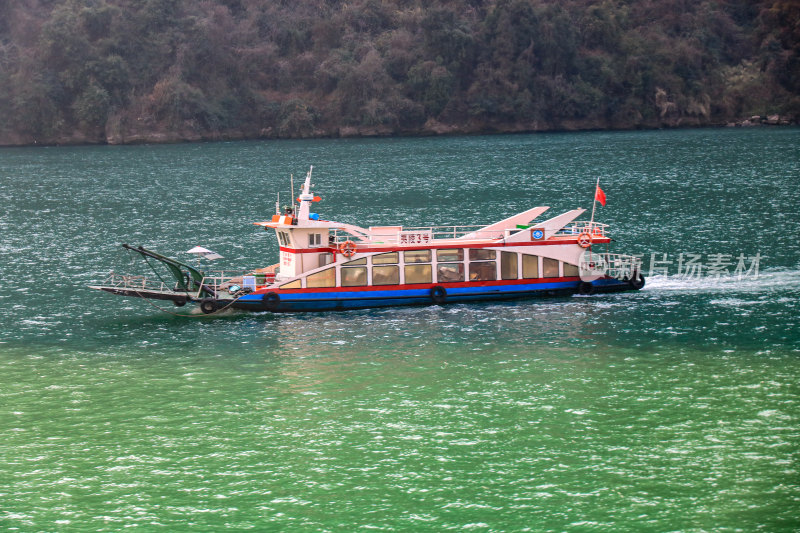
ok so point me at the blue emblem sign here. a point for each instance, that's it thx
(537, 234)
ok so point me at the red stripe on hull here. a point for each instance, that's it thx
(418, 286)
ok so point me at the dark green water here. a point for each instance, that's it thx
(676, 408)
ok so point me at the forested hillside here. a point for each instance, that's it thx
(163, 70)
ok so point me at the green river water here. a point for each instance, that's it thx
(675, 408)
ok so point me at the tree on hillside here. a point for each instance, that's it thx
(117, 70)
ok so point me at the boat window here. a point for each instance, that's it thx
(386, 259)
(530, 266)
(481, 254)
(571, 270)
(362, 261)
(354, 276)
(314, 239)
(483, 271)
(418, 273)
(283, 238)
(325, 278)
(549, 267)
(291, 285)
(508, 265)
(417, 256)
(446, 272)
(386, 275)
(446, 256)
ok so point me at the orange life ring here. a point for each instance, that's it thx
(348, 248)
(584, 240)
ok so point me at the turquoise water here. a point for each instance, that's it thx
(675, 408)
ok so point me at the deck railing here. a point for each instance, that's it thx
(576, 228)
(429, 234)
(424, 234)
(234, 281)
(135, 282)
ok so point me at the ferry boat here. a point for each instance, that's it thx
(326, 265)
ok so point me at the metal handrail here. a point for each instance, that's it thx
(432, 233)
(576, 228)
(136, 282)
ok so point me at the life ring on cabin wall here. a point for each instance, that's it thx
(584, 240)
(348, 248)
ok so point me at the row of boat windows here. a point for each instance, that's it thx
(449, 267)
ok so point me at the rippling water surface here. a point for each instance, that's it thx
(673, 408)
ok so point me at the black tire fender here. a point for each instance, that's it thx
(586, 288)
(180, 302)
(637, 282)
(438, 295)
(208, 305)
(271, 300)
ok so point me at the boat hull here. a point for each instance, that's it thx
(342, 298)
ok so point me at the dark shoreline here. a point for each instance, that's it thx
(354, 132)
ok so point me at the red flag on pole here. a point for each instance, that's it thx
(600, 196)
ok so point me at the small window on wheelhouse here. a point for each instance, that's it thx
(315, 239)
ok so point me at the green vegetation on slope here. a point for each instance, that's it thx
(149, 70)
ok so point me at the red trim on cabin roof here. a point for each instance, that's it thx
(369, 249)
(308, 250)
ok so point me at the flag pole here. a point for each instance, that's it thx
(594, 205)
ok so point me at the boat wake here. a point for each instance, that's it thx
(766, 281)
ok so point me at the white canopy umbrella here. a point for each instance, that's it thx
(205, 253)
(199, 250)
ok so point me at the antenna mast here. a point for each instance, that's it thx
(291, 180)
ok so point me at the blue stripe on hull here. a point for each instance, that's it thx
(356, 299)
